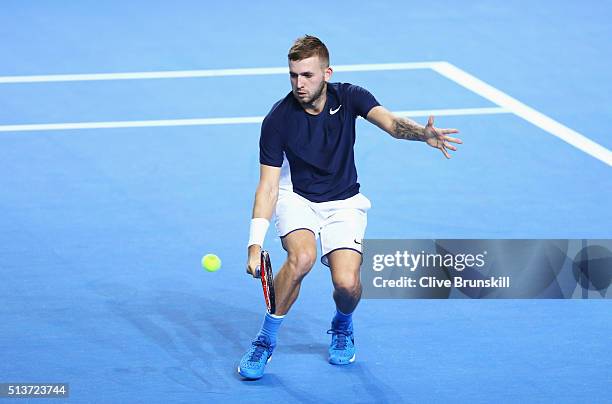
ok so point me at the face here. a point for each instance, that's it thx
(308, 78)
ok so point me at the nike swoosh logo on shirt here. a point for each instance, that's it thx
(333, 111)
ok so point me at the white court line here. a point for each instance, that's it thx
(221, 121)
(256, 71)
(446, 69)
(529, 114)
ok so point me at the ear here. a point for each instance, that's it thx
(328, 73)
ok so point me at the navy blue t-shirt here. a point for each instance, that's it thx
(318, 148)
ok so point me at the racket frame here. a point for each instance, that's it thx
(267, 281)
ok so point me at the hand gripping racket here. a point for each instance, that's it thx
(264, 271)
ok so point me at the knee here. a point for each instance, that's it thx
(348, 284)
(301, 262)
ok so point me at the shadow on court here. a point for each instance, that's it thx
(203, 341)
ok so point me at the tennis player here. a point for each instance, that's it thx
(308, 178)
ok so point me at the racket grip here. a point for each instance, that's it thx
(258, 272)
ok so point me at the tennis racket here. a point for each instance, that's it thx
(264, 271)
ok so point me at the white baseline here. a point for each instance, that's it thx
(178, 74)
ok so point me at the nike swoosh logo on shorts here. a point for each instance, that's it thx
(333, 111)
(356, 242)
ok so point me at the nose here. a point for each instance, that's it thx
(299, 82)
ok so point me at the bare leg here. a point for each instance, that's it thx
(345, 266)
(301, 255)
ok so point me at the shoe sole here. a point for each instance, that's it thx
(343, 363)
(251, 377)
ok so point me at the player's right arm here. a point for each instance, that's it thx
(265, 202)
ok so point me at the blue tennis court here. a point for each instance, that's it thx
(129, 148)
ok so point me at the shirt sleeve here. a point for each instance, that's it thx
(362, 100)
(271, 145)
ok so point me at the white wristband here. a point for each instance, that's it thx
(258, 230)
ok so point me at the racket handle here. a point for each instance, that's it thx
(258, 272)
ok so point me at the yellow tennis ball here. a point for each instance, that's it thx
(211, 262)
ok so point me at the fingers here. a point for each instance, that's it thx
(256, 273)
(450, 147)
(430, 122)
(442, 140)
(445, 152)
(453, 139)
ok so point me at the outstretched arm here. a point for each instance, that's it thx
(404, 128)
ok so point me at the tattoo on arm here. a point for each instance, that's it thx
(409, 130)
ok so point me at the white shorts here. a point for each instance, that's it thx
(339, 224)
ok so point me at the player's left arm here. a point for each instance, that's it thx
(404, 128)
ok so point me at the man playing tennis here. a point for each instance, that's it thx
(308, 178)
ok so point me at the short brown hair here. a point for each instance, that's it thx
(308, 46)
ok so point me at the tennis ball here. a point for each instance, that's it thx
(211, 262)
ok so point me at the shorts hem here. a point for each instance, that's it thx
(299, 228)
(291, 231)
(325, 261)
